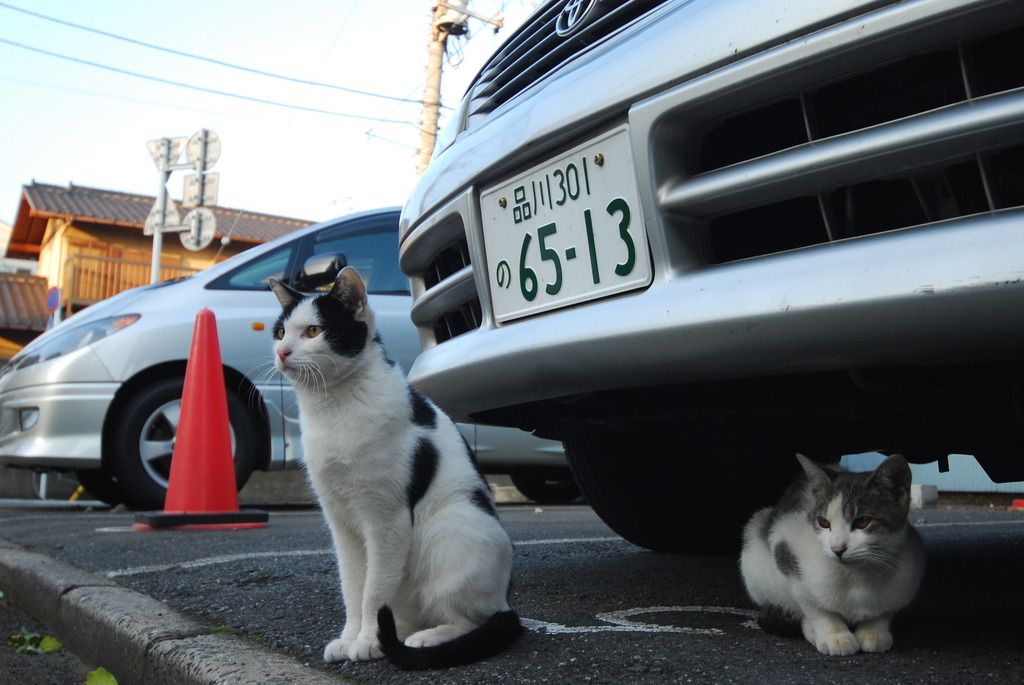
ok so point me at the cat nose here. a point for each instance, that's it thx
(281, 354)
(839, 551)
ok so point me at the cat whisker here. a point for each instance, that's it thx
(884, 560)
(262, 375)
(334, 362)
(310, 375)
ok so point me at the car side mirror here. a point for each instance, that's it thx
(319, 271)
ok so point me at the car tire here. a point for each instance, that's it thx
(546, 485)
(660, 492)
(143, 435)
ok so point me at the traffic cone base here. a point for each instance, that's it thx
(225, 520)
(201, 488)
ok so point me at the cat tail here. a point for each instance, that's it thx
(494, 635)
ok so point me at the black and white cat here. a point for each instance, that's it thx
(836, 558)
(424, 563)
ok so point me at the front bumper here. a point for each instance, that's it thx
(926, 296)
(67, 430)
(763, 261)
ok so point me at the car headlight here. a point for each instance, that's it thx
(455, 125)
(72, 339)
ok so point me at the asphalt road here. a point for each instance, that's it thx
(598, 609)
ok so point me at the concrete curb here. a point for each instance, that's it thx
(135, 637)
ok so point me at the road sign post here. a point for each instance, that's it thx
(202, 224)
(202, 151)
(53, 305)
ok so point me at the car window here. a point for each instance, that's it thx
(371, 248)
(254, 275)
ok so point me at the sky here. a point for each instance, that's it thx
(72, 114)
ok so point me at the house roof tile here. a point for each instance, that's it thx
(41, 201)
(23, 302)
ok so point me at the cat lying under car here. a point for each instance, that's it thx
(836, 558)
(424, 563)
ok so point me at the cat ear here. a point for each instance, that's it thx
(350, 290)
(817, 476)
(286, 295)
(894, 475)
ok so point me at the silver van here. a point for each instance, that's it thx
(692, 237)
(100, 393)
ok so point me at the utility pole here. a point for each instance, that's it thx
(440, 28)
(449, 18)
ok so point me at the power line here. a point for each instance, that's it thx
(210, 60)
(394, 109)
(190, 86)
(137, 101)
(370, 135)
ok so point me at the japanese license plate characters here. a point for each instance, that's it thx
(567, 231)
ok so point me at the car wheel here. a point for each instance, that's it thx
(546, 485)
(660, 492)
(143, 437)
(100, 485)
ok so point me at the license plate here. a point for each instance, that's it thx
(567, 231)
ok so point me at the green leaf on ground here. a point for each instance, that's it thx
(100, 676)
(27, 642)
(49, 644)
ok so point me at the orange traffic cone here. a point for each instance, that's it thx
(201, 489)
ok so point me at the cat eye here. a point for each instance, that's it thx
(278, 334)
(824, 522)
(314, 331)
(861, 522)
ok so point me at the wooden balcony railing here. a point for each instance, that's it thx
(88, 280)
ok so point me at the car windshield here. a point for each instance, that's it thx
(372, 251)
(369, 244)
(254, 275)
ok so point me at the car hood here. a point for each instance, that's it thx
(113, 305)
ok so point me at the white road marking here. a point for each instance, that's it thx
(232, 558)
(957, 524)
(622, 621)
(211, 561)
(565, 541)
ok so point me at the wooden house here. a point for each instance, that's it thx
(89, 244)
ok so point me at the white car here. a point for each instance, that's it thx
(100, 393)
(690, 238)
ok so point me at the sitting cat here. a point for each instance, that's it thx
(413, 522)
(835, 555)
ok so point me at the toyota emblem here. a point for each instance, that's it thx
(573, 16)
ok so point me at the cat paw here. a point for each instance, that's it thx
(336, 650)
(838, 644)
(364, 650)
(344, 649)
(874, 640)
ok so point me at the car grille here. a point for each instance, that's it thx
(447, 302)
(460, 317)
(911, 141)
(536, 50)
(440, 265)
